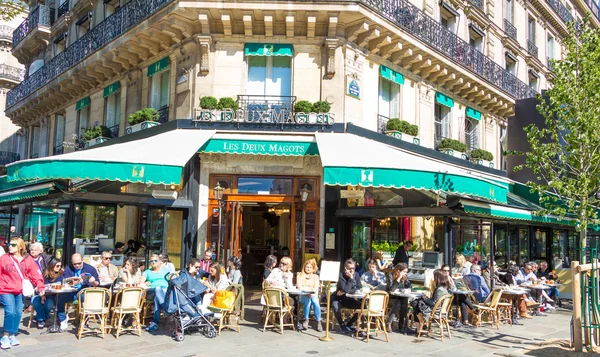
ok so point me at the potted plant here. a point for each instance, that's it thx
(482, 157)
(96, 135)
(403, 130)
(142, 119)
(302, 110)
(322, 109)
(208, 106)
(228, 107)
(453, 148)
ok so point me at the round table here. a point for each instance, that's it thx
(410, 295)
(295, 294)
(515, 294)
(457, 323)
(357, 295)
(53, 328)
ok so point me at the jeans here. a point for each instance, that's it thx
(61, 301)
(159, 303)
(464, 302)
(400, 309)
(307, 301)
(42, 311)
(13, 309)
(338, 302)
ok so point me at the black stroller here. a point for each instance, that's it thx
(181, 306)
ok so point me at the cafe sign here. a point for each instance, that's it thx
(265, 116)
(258, 147)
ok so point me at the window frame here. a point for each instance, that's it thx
(442, 122)
(398, 94)
(157, 80)
(116, 110)
(269, 75)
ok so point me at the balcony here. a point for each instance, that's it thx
(262, 103)
(7, 157)
(532, 48)
(6, 33)
(477, 3)
(58, 150)
(62, 9)
(510, 29)
(40, 16)
(105, 32)
(34, 156)
(11, 74)
(114, 131)
(561, 10)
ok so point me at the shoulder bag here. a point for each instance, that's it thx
(28, 290)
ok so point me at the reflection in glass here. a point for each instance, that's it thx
(174, 236)
(539, 245)
(265, 186)
(46, 225)
(93, 222)
(361, 231)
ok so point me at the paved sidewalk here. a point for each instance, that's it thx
(465, 342)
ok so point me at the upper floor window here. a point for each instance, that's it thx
(476, 37)
(35, 66)
(550, 48)
(84, 24)
(34, 149)
(511, 63)
(159, 90)
(60, 43)
(448, 17)
(471, 133)
(531, 30)
(59, 134)
(110, 7)
(269, 75)
(503, 147)
(83, 115)
(509, 10)
(442, 122)
(112, 108)
(533, 80)
(390, 83)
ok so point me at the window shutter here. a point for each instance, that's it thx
(164, 89)
(110, 110)
(394, 100)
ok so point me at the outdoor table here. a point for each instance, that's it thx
(410, 295)
(53, 292)
(359, 295)
(515, 294)
(295, 294)
(457, 323)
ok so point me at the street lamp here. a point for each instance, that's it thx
(304, 196)
(304, 192)
(218, 194)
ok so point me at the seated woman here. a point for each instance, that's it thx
(462, 300)
(510, 278)
(424, 306)
(270, 264)
(130, 274)
(155, 278)
(307, 279)
(53, 274)
(400, 304)
(281, 277)
(235, 275)
(373, 277)
(462, 266)
(216, 281)
(381, 263)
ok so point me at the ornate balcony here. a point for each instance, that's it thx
(561, 10)
(253, 103)
(59, 150)
(12, 74)
(477, 3)
(114, 131)
(510, 29)
(40, 16)
(532, 48)
(105, 32)
(6, 33)
(7, 157)
(163, 115)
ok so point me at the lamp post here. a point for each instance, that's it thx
(218, 194)
(304, 196)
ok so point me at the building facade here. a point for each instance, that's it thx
(450, 69)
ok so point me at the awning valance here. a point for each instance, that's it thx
(82, 103)
(444, 99)
(268, 49)
(352, 160)
(23, 193)
(111, 89)
(273, 145)
(158, 159)
(473, 114)
(391, 75)
(158, 66)
(509, 213)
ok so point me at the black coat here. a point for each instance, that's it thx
(401, 256)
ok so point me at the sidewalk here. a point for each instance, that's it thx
(465, 342)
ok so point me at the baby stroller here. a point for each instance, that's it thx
(183, 295)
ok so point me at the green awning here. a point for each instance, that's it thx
(391, 75)
(26, 192)
(473, 114)
(509, 213)
(269, 49)
(260, 147)
(444, 100)
(82, 103)
(158, 66)
(40, 220)
(111, 89)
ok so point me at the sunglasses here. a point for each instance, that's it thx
(58, 266)
(107, 258)
(13, 244)
(154, 261)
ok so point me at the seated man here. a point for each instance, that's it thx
(476, 283)
(107, 272)
(545, 274)
(373, 277)
(348, 283)
(82, 276)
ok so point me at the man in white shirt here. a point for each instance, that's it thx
(106, 271)
(526, 274)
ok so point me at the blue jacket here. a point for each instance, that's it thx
(85, 269)
(477, 284)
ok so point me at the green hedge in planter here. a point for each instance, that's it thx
(209, 103)
(303, 106)
(481, 154)
(321, 107)
(402, 126)
(452, 144)
(226, 103)
(147, 114)
(96, 132)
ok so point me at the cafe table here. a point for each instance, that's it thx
(457, 293)
(54, 327)
(412, 295)
(515, 293)
(295, 294)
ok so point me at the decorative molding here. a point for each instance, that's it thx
(331, 45)
(204, 51)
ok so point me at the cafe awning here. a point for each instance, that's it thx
(352, 160)
(158, 159)
(26, 192)
(257, 144)
(509, 213)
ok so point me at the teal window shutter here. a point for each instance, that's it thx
(391, 75)
(157, 67)
(444, 100)
(268, 49)
(473, 114)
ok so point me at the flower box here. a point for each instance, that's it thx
(140, 126)
(452, 152)
(96, 141)
(483, 162)
(214, 115)
(403, 136)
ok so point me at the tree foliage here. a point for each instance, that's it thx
(565, 154)
(10, 9)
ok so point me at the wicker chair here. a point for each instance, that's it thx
(373, 310)
(439, 314)
(490, 308)
(128, 302)
(229, 318)
(278, 306)
(93, 302)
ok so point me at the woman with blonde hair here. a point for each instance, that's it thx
(307, 279)
(281, 277)
(461, 266)
(381, 263)
(15, 267)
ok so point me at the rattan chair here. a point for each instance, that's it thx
(372, 310)
(489, 308)
(439, 314)
(229, 318)
(278, 309)
(93, 302)
(128, 301)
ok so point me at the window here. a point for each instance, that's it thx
(112, 111)
(442, 122)
(531, 30)
(265, 185)
(59, 132)
(448, 17)
(44, 138)
(35, 142)
(84, 25)
(35, 66)
(509, 11)
(503, 147)
(83, 120)
(93, 223)
(60, 43)
(471, 133)
(476, 37)
(159, 91)
(269, 75)
(533, 80)
(511, 63)
(550, 48)
(110, 7)
(389, 94)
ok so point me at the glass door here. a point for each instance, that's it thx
(235, 224)
(501, 247)
(174, 236)
(361, 234)
(154, 220)
(539, 244)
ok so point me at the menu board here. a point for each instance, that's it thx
(330, 271)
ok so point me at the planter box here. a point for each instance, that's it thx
(215, 115)
(403, 136)
(141, 126)
(452, 152)
(483, 162)
(96, 141)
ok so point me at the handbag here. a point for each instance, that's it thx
(28, 290)
(223, 299)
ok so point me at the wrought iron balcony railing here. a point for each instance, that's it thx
(7, 157)
(11, 73)
(62, 9)
(561, 10)
(40, 16)
(532, 48)
(34, 156)
(478, 4)
(510, 29)
(114, 131)
(382, 123)
(59, 150)
(6, 32)
(253, 103)
(163, 115)
(105, 32)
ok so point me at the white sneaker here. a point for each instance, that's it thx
(5, 343)
(64, 325)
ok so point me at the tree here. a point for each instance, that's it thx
(565, 154)
(9, 9)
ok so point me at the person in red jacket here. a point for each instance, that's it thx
(14, 267)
